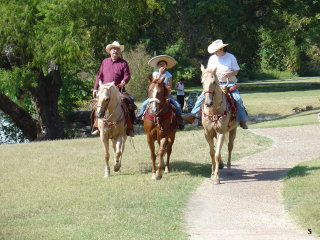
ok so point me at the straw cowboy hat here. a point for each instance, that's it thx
(216, 45)
(115, 44)
(153, 62)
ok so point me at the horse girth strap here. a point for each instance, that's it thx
(159, 118)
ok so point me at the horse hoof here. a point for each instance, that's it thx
(221, 165)
(216, 181)
(153, 176)
(166, 170)
(117, 167)
(158, 175)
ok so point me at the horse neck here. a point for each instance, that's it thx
(114, 105)
(217, 96)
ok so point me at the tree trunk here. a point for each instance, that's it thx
(29, 126)
(45, 97)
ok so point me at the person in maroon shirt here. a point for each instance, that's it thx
(113, 69)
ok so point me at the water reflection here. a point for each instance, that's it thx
(9, 132)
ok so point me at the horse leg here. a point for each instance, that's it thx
(232, 136)
(105, 142)
(169, 150)
(161, 152)
(152, 156)
(210, 141)
(217, 158)
(117, 148)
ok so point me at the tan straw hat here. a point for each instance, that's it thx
(115, 44)
(153, 62)
(216, 45)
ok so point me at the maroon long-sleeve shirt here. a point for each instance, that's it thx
(113, 71)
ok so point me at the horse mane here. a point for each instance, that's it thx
(114, 93)
(211, 71)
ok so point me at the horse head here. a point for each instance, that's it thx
(209, 82)
(158, 93)
(105, 95)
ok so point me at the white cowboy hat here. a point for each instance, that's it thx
(216, 45)
(153, 62)
(115, 44)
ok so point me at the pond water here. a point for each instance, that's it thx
(9, 132)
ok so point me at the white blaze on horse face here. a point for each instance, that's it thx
(154, 104)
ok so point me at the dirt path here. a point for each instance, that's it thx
(247, 205)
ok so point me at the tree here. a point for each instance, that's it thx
(46, 45)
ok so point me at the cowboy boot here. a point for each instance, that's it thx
(129, 131)
(95, 130)
(243, 124)
(180, 122)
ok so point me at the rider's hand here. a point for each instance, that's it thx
(162, 70)
(94, 93)
(121, 85)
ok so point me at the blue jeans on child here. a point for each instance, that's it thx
(241, 113)
(172, 100)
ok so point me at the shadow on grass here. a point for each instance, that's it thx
(300, 171)
(238, 175)
(272, 117)
(278, 87)
(194, 169)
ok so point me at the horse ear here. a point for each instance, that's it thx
(202, 68)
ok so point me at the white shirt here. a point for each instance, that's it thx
(167, 75)
(180, 89)
(225, 63)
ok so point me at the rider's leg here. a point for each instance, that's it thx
(143, 107)
(178, 111)
(195, 110)
(241, 113)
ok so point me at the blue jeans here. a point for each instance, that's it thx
(241, 113)
(172, 100)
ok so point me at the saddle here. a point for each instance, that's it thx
(231, 102)
(129, 105)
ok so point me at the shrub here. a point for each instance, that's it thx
(137, 60)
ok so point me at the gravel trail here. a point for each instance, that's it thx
(248, 204)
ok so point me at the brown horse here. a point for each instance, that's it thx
(217, 121)
(160, 124)
(111, 123)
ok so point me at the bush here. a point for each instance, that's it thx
(137, 60)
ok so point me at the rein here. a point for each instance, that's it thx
(214, 118)
(106, 121)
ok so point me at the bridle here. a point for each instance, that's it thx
(106, 119)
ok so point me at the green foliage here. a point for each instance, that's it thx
(301, 195)
(140, 71)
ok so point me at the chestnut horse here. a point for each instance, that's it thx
(160, 124)
(217, 121)
(111, 123)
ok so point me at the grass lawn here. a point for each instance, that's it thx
(56, 189)
(301, 193)
(271, 103)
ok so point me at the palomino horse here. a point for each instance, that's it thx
(111, 123)
(217, 120)
(160, 124)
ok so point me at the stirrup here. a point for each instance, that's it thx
(243, 125)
